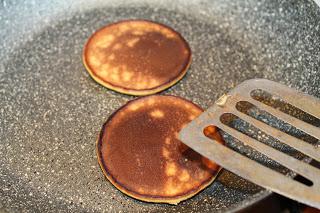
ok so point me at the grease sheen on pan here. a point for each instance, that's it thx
(140, 154)
(136, 57)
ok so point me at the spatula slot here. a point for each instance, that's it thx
(251, 148)
(303, 180)
(251, 131)
(278, 103)
(267, 118)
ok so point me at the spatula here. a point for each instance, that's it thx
(193, 136)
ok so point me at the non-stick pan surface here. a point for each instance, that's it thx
(51, 110)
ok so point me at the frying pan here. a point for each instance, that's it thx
(51, 110)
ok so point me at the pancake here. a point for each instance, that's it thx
(136, 57)
(140, 154)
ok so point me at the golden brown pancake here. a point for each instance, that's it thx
(140, 154)
(136, 57)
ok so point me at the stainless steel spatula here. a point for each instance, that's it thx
(193, 136)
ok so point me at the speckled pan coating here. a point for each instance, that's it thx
(51, 110)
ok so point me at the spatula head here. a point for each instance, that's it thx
(193, 136)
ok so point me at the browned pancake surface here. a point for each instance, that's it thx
(140, 154)
(136, 57)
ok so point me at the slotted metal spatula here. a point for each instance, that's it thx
(193, 136)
